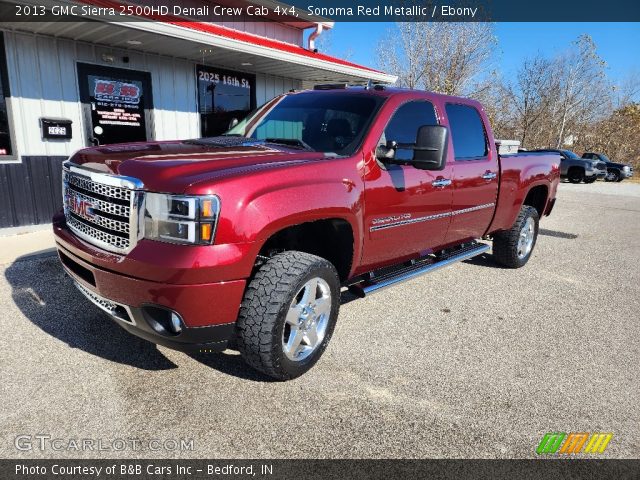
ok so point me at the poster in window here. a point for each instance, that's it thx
(117, 109)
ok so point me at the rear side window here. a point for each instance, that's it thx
(403, 126)
(467, 132)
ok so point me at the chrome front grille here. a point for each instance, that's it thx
(99, 188)
(102, 209)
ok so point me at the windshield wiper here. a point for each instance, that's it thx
(289, 142)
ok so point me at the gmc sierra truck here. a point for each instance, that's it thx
(246, 240)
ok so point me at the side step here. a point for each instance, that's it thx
(388, 277)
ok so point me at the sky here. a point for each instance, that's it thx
(618, 43)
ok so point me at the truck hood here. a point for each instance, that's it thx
(617, 165)
(173, 166)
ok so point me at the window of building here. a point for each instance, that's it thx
(6, 144)
(222, 96)
(403, 126)
(467, 132)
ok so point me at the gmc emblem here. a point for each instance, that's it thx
(80, 206)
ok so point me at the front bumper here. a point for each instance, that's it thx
(207, 311)
(601, 174)
(139, 322)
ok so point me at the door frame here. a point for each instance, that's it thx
(87, 68)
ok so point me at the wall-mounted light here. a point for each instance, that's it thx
(246, 64)
(134, 42)
(107, 57)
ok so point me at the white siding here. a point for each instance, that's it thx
(44, 83)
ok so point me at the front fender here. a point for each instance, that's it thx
(255, 207)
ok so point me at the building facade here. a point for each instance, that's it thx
(69, 85)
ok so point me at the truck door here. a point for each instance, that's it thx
(406, 209)
(475, 174)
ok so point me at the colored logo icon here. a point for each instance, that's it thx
(573, 443)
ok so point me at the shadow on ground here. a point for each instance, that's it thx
(48, 298)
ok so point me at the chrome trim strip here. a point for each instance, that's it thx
(481, 248)
(426, 218)
(95, 298)
(472, 209)
(105, 178)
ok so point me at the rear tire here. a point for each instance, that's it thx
(512, 248)
(590, 180)
(288, 314)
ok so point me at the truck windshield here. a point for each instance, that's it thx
(329, 122)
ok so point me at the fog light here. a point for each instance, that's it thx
(163, 320)
(176, 323)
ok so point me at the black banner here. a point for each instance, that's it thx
(319, 469)
(333, 10)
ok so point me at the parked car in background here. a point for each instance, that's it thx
(576, 169)
(616, 172)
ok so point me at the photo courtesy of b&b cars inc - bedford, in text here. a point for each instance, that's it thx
(309, 239)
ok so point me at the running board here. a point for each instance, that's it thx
(391, 276)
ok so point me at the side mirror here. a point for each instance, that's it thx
(430, 151)
(234, 121)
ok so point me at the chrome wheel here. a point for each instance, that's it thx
(525, 241)
(307, 319)
(611, 176)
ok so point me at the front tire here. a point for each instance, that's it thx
(288, 314)
(512, 248)
(613, 176)
(590, 180)
(576, 175)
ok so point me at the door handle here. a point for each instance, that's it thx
(489, 175)
(441, 182)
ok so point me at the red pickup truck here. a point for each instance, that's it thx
(246, 240)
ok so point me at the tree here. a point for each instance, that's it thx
(532, 94)
(442, 57)
(582, 87)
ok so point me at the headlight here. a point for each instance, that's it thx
(626, 168)
(181, 219)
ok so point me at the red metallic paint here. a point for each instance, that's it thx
(265, 189)
(199, 305)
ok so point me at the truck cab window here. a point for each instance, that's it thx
(403, 126)
(467, 132)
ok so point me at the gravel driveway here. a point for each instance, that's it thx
(470, 361)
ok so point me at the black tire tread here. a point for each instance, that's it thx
(505, 243)
(266, 295)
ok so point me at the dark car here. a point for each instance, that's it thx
(576, 169)
(616, 172)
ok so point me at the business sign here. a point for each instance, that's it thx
(115, 91)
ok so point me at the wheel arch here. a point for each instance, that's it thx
(537, 197)
(330, 238)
